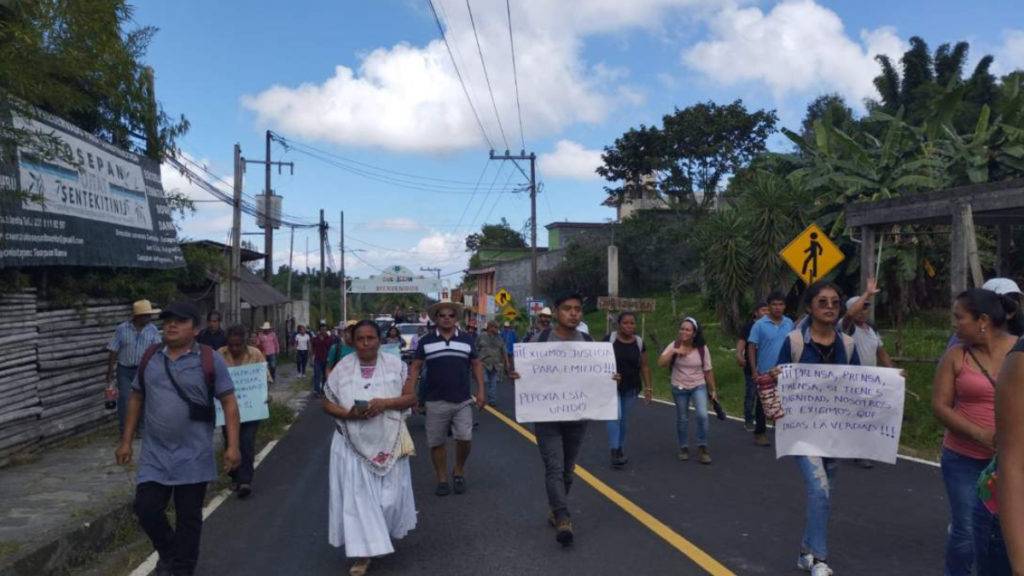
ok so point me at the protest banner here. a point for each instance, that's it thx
(560, 381)
(840, 411)
(250, 382)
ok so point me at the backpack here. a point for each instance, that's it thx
(796, 345)
(546, 335)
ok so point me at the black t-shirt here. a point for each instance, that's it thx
(746, 351)
(215, 340)
(627, 363)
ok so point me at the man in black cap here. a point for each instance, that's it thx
(173, 393)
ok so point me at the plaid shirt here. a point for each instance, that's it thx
(130, 343)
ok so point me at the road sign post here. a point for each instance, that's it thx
(812, 255)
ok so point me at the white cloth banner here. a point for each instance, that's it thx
(564, 381)
(840, 411)
(250, 381)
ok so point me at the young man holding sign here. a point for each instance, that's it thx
(559, 441)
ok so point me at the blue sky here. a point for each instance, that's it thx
(371, 82)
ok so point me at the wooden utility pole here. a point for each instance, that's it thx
(534, 290)
(323, 244)
(291, 254)
(234, 293)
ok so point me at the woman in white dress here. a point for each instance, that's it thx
(370, 484)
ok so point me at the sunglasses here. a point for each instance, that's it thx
(823, 303)
(445, 315)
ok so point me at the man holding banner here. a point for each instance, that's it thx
(565, 379)
(248, 369)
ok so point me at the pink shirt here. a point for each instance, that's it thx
(688, 371)
(268, 343)
(975, 400)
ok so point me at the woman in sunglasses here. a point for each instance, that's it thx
(819, 340)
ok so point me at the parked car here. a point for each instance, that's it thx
(408, 330)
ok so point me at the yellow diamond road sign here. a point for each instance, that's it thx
(510, 313)
(502, 298)
(812, 254)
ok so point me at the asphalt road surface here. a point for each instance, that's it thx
(741, 515)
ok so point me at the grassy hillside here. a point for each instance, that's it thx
(924, 338)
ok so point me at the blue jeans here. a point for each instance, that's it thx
(989, 547)
(301, 359)
(960, 474)
(749, 398)
(700, 403)
(617, 428)
(491, 377)
(125, 377)
(819, 475)
(272, 365)
(319, 375)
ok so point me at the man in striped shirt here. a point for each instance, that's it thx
(131, 338)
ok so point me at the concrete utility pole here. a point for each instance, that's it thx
(234, 294)
(534, 290)
(268, 215)
(323, 243)
(291, 254)
(344, 296)
(435, 270)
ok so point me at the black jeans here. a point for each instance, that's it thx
(559, 444)
(247, 446)
(301, 359)
(760, 421)
(178, 548)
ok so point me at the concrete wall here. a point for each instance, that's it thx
(514, 275)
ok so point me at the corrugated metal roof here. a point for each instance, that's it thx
(257, 292)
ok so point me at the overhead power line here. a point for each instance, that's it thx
(515, 74)
(487, 77)
(458, 73)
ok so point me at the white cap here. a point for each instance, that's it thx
(1001, 286)
(851, 302)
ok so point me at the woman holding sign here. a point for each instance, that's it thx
(371, 498)
(238, 353)
(963, 399)
(818, 341)
(689, 362)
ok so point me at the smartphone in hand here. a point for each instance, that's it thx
(360, 406)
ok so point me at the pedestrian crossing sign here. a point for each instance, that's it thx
(812, 255)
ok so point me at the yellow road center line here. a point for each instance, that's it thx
(673, 538)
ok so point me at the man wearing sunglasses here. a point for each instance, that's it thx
(452, 362)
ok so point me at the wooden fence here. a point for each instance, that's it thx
(52, 368)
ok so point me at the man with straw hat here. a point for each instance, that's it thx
(131, 338)
(449, 355)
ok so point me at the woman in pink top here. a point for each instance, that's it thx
(268, 344)
(963, 399)
(692, 379)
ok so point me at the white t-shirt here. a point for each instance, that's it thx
(302, 341)
(868, 342)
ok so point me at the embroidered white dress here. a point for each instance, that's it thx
(371, 500)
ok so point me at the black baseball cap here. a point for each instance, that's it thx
(182, 310)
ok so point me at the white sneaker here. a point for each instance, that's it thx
(821, 569)
(805, 562)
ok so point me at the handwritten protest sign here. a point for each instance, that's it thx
(560, 381)
(250, 382)
(840, 411)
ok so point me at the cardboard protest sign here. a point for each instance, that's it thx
(561, 381)
(250, 382)
(840, 411)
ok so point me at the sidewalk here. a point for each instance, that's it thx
(62, 507)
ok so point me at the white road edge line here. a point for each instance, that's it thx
(738, 419)
(149, 564)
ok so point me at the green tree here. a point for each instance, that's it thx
(500, 235)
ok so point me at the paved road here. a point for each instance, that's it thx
(745, 510)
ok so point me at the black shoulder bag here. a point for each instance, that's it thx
(196, 411)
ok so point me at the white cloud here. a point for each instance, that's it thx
(407, 98)
(1010, 55)
(396, 224)
(212, 220)
(570, 160)
(798, 46)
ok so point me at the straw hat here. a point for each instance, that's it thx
(266, 326)
(438, 306)
(144, 308)
(545, 311)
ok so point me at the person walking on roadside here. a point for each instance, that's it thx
(237, 353)
(491, 349)
(560, 442)
(1009, 291)
(342, 347)
(371, 498)
(1010, 448)
(631, 364)
(963, 400)
(213, 335)
(131, 339)
(302, 341)
(692, 376)
(321, 345)
(817, 341)
(173, 394)
(750, 398)
(452, 362)
(764, 343)
(508, 334)
(543, 323)
(270, 346)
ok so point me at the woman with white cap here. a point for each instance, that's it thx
(689, 362)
